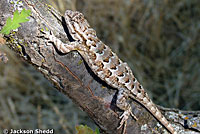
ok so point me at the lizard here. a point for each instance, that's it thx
(108, 67)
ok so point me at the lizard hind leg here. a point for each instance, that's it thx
(123, 105)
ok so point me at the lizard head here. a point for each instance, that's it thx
(77, 25)
(74, 16)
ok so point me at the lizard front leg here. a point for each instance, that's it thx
(62, 47)
(123, 105)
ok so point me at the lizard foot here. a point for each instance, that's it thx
(124, 117)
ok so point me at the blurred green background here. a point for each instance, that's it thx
(160, 40)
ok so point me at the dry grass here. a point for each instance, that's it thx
(160, 40)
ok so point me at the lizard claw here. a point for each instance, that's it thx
(45, 34)
(124, 117)
(133, 116)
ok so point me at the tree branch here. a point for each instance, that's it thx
(71, 75)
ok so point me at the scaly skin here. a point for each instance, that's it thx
(107, 66)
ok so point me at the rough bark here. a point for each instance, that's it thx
(71, 75)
